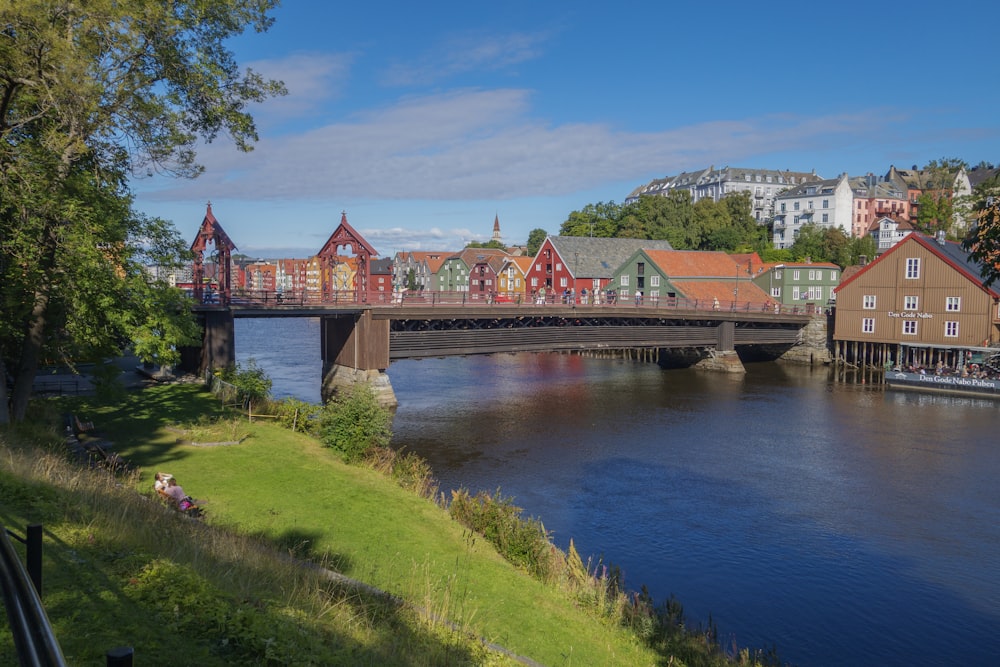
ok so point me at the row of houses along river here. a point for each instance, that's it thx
(838, 522)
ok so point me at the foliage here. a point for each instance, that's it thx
(598, 220)
(353, 422)
(983, 240)
(492, 243)
(89, 95)
(408, 469)
(251, 381)
(536, 237)
(255, 633)
(726, 225)
(523, 542)
(295, 415)
(411, 280)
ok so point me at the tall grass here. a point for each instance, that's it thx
(211, 595)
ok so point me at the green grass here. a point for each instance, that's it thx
(286, 488)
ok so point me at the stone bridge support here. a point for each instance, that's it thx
(355, 349)
(723, 358)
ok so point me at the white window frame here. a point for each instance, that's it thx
(951, 329)
(909, 327)
(912, 268)
(953, 304)
(654, 281)
(911, 302)
(623, 280)
(868, 302)
(868, 325)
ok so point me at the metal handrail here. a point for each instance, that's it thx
(33, 637)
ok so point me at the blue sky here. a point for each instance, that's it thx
(423, 121)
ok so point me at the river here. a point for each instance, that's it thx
(840, 523)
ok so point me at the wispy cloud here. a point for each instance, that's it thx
(312, 80)
(485, 145)
(466, 53)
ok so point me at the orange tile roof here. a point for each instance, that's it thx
(690, 263)
(706, 290)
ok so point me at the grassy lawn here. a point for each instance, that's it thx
(289, 489)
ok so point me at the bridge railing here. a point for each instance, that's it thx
(606, 299)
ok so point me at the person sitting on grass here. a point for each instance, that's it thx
(176, 495)
(160, 481)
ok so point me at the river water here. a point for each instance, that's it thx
(840, 523)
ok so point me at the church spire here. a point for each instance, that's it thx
(496, 228)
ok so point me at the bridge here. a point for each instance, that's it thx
(364, 329)
(359, 341)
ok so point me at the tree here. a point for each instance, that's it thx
(536, 237)
(492, 243)
(91, 93)
(598, 220)
(936, 205)
(983, 240)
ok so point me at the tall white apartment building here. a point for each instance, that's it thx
(826, 203)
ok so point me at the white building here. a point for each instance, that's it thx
(827, 203)
(888, 232)
(762, 184)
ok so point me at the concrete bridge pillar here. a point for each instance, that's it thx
(724, 358)
(355, 350)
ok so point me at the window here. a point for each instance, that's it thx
(953, 303)
(910, 302)
(812, 274)
(623, 281)
(562, 282)
(782, 207)
(776, 292)
(534, 282)
(868, 302)
(912, 267)
(795, 206)
(833, 276)
(654, 281)
(777, 274)
(795, 294)
(868, 325)
(558, 266)
(826, 203)
(795, 274)
(951, 329)
(909, 327)
(826, 217)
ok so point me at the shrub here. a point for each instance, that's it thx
(354, 422)
(523, 542)
(409, 470)
(296, 415)
(251, 381)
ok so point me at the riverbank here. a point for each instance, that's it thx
(288, 490)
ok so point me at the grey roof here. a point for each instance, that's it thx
(383, 265)
(979, 175)
(590, 257)
(953, 252)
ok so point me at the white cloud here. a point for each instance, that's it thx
(484, 145)
(311, 80)
(466, 53)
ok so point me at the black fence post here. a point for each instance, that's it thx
(33, 555)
